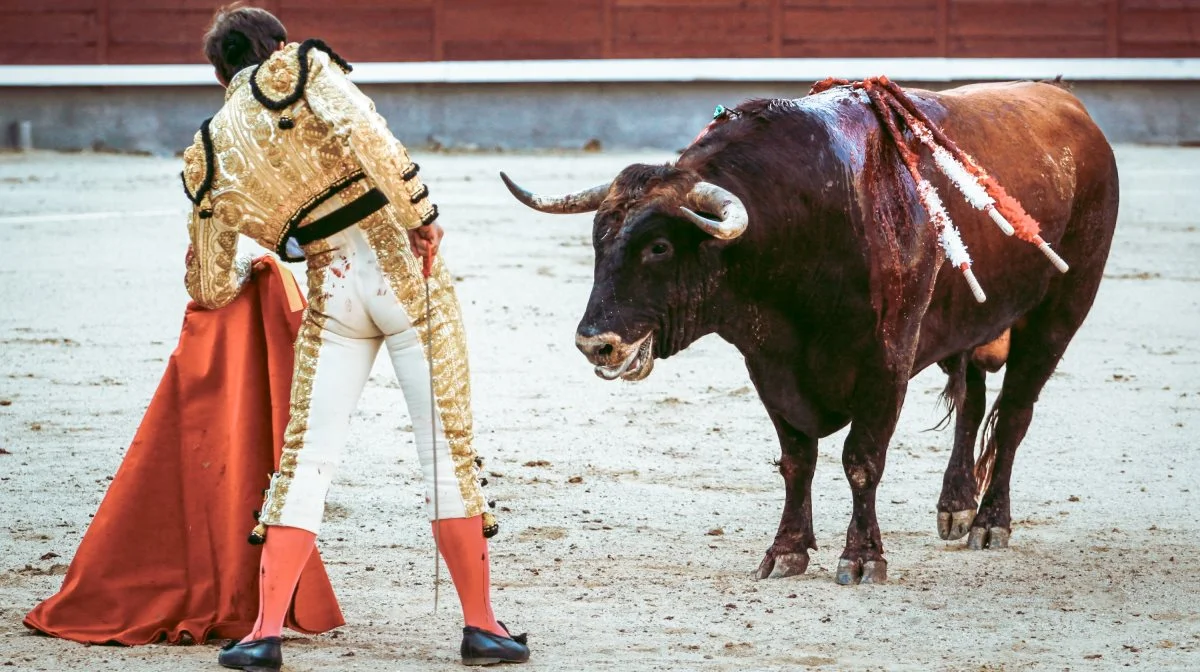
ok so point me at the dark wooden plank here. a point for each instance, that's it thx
(45, 28)
(943, 28)
(696, 49)
(859, 5)
(134, 53)
(368, 35)
(1159, 4)
(715, 26)
(814, 29)
(55, 6)
(608, 28)
(1178, 26)
(1032, 7)
(1004, 47)
(1113, 29)
(102, 26)
(833, 25)
(1160, 50)
(12, 53)
(879, 48)
(777, 28)
(204, 6)
(689, 5)
(334, 8)
(524, 20)
(475, 50)
(523, 29)
(1022, 21)
(437, 38)
(158, 26)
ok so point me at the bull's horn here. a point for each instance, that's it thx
(708, 197)
(587, 200)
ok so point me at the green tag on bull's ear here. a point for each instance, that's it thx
(719, 112)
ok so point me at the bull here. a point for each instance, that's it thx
(793, 232)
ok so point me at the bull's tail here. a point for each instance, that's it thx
(987, 451)
(955, 391)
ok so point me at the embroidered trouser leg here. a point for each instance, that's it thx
(410, 326)
(325, 392)
(353, 307)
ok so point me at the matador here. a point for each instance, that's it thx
(298, 160)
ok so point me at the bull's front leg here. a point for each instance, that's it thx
(863, 458)
(788, 555)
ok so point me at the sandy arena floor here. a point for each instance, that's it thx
(619, 571)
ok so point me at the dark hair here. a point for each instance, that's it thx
(240, 37)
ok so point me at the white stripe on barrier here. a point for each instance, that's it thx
(647, 70)
(89, 216)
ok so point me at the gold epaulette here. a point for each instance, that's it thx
(198, 166)
(279, 82)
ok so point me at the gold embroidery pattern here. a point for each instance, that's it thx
(262, 175)
(212, 278)
(308, 350)
(336, 101)
(193, 164)
(451, 371)
(276, 79)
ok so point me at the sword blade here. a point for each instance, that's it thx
(427, 270)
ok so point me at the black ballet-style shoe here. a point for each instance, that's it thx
(259, 655)
(480, 647)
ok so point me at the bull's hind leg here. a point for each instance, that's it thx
(1039, 340)
(1038, 343)
(966, 394)
(788, 555)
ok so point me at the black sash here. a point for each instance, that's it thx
(343, 218)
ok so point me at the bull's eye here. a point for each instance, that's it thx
(657, 251)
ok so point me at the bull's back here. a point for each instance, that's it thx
(1039, 143)
(1036, 138)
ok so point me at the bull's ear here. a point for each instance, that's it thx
(588, 200)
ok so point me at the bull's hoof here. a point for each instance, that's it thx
(851, 571)
(955, 525)
(991, 537)
(874, 571)
(781, 565)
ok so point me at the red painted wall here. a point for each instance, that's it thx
(162, 31)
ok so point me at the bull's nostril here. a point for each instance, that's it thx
(605, 350)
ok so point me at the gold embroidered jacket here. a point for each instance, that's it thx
(293, 133)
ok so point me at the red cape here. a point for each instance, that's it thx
(167, 554)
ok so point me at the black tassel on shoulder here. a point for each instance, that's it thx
(206, 141)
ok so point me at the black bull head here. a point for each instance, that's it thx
(657, 234)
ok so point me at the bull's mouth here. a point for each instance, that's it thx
(636, 366)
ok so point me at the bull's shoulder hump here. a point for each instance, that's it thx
(846, 116)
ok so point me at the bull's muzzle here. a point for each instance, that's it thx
(615, 358)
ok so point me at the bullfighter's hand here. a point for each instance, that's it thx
(425, 238)
(261, 262)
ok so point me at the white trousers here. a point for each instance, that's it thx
(357, 310)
